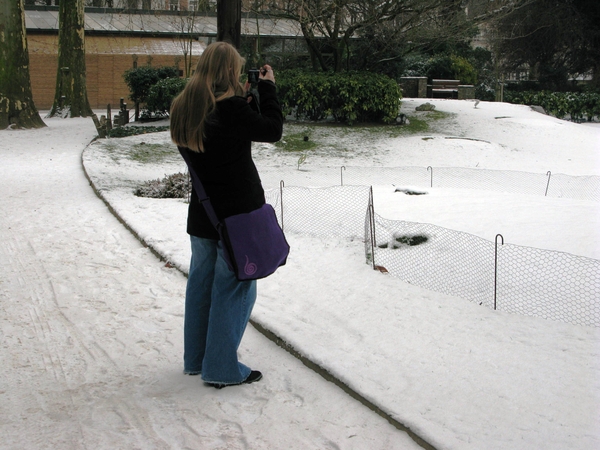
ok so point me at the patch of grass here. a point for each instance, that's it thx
(417, 124)
(420, 123)
(299, 137)
(150, 153)
(141, 152)
(108, 146)
(110, 149)
(296, 142)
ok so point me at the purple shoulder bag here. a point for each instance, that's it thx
(254, 243)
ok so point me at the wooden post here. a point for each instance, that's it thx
(124, 114)
(108, 118)
(100, 126)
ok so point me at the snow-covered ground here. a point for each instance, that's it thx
(91, 321)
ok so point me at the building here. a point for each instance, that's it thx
(118, 40)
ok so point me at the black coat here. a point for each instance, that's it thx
(226, 168)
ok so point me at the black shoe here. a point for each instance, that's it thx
(255, 375)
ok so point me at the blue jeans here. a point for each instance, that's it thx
(217, 310)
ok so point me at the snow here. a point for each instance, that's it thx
(91, 320)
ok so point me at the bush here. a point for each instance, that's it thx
(162, 94)
(474, 66)
(445, 67)
(131, 130)
(140, 79)
(171, 186)
(463, 70)
(439, 67)
(348, 97)
(578, 105)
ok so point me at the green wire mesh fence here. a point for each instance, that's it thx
(516, 279)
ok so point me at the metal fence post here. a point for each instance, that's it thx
(281, 185)
(496, 269)
(371, 209)
(549, 175)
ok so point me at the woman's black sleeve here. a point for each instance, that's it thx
(266, 126)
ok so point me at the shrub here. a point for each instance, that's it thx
(162, 94)
(140, 79)
(578, 105)
(171, 186)
(439, 67)
(463, 70)
(131, 130)
(348, 97)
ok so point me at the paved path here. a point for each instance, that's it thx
(91, 325)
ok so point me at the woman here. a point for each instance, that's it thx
(215, 122)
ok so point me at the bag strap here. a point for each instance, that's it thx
(204, 199)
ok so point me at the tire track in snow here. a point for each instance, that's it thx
(48, 321)
(40, 305)
(55, 352)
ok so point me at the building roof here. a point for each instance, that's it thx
(44, 44)
(157, 23)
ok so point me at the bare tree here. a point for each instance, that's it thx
(16, 102)
(431, 28)
(390, 29)
(71, 92)
(188, 37)
(329, 26)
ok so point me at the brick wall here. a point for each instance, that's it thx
(107, 58)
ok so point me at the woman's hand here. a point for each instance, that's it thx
(266, 73)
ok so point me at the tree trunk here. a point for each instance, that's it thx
(596, 76)
(16, 102)
(316, 56)
(229, 21)
(71, 92)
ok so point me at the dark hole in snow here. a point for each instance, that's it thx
(410, 240)
(410, 191)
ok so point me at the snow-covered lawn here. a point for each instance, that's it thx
(104, 321)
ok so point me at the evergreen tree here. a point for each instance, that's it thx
(553, 39)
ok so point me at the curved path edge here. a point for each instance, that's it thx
(320, 370)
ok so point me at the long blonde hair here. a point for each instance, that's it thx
(216, 78)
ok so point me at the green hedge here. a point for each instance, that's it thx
(578, 105)
(140, 79)
(162, 94)
(348, 97)
(132, 130)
